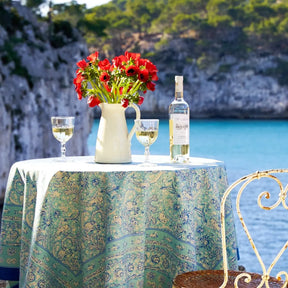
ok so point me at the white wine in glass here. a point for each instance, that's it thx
(146, 134)
(63, 129)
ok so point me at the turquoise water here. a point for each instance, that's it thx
(245, 146)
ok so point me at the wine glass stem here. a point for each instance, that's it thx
(63, 150)
(147, 153)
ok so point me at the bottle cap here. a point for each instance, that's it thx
(179, 83)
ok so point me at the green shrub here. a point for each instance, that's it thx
(10, 20)
(10, 55)
(61, 33)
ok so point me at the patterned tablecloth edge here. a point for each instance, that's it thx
(87, 164)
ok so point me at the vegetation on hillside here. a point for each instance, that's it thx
(209, 29)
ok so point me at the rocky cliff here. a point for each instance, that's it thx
(249, 88)
(36, 82)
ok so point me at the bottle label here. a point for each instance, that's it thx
(180, 129)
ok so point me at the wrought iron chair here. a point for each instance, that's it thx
(227, 278)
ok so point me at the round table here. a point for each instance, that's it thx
(76, 223)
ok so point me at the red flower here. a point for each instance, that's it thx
(82, 64)
(150, 66)
(130, 55)
(119, 61)
(141, 62)
(150, 86)
(141, 99)
(93, 57)
(125, 102)
(104, 77)
(132, 70)
(154, 76)
(78, 89)
(104, 64)
(108, 89)
(79, 78)
(143, 75)
(93, 101)
(79, 94)
(130, 87)
(78, 85)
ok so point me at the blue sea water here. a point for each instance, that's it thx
(245, 146)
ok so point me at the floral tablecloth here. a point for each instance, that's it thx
(82, 224)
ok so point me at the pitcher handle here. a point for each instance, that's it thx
(138, 115)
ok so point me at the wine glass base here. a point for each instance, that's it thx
(61, 159)
(147, 164)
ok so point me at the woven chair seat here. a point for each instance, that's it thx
(214, 278)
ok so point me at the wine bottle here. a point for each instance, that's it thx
(179, 119)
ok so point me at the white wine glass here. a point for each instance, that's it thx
(146, 134)
(63, 129)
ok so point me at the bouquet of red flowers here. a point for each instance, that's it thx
(121, 81)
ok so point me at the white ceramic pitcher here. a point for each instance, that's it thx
(113, 144)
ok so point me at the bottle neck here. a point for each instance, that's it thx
(178, 95)
(179, 88)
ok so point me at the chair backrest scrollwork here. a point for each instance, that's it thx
(241, 185)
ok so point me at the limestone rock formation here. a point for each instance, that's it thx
(36, 82)
(249, 88)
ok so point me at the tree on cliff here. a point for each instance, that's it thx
(212, 28)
